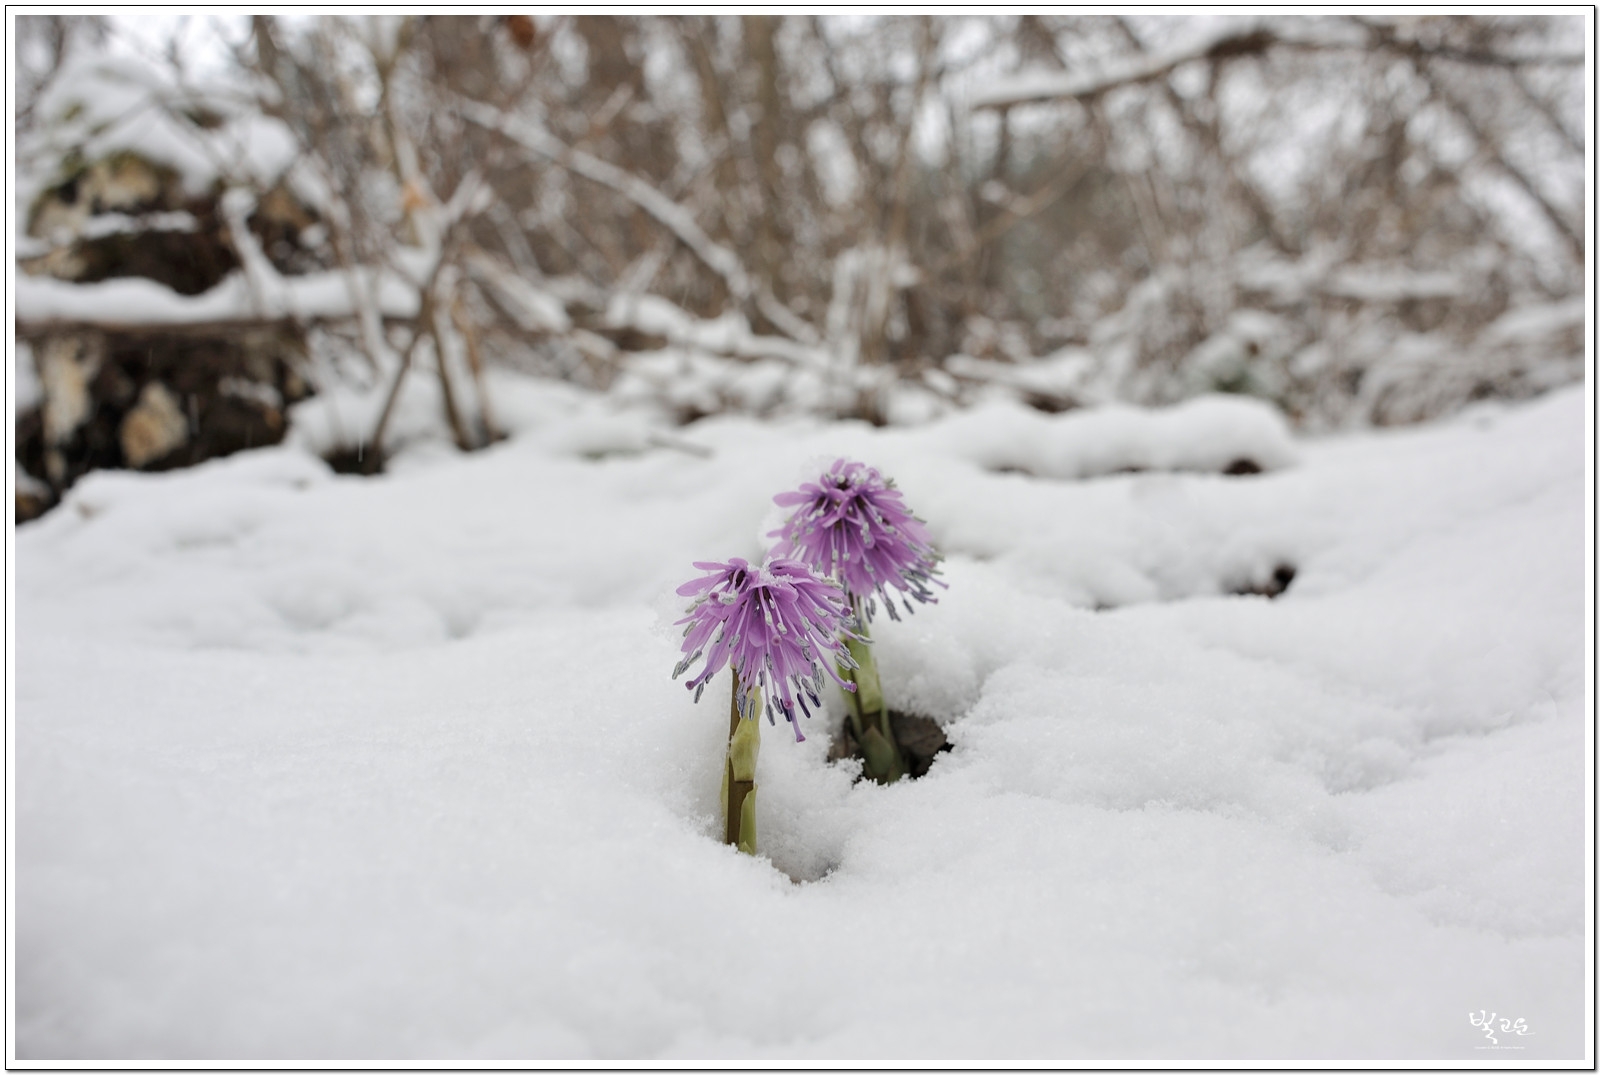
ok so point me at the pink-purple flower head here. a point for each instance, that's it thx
(771, 624)
(853, 524)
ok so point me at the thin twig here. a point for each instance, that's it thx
(718, 258)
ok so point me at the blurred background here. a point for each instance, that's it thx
(365, 228)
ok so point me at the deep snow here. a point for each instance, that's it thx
(309, 766)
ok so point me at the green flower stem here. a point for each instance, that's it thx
(739, 775)
(869, 717)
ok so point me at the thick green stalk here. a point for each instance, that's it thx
(869, 717)
(739, 773)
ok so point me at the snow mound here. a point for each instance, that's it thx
(312, 767)
(1207, 433)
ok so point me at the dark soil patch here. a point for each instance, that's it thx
(920, 739)
(1273, 585)
(348, 460)
(1049, 403)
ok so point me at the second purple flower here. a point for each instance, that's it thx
(853, 524)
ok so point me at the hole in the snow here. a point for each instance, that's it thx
(353, 460)
(1272, 586)
(1049, 403)
(1242, 466)
(920, 739)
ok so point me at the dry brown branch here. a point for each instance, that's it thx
(716, 257)
(469, 335)
(1491, 147)
(1248, 40)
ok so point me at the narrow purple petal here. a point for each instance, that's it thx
(854, 526)
(779, 626)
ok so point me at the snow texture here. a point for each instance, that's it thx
(132, 300)
(312, 767)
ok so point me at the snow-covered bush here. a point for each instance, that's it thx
(1360, 219)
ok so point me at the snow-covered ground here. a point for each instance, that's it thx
(310, 766)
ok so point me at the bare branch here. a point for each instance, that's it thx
(719, 259)
(1249, 39)
(1490, 147)
(1128, 71)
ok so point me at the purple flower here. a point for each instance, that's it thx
(769, 623)
(853, 524)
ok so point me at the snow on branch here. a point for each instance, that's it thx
(533, 308)
(1366, 284)
(104, 226)
(539, 309)
(674, 217)
(1284, 282)
(1240, 39)
(727, 335)
(133, 303)
(1126, 71)
(264, 282)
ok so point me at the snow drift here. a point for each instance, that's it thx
(318, 767)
